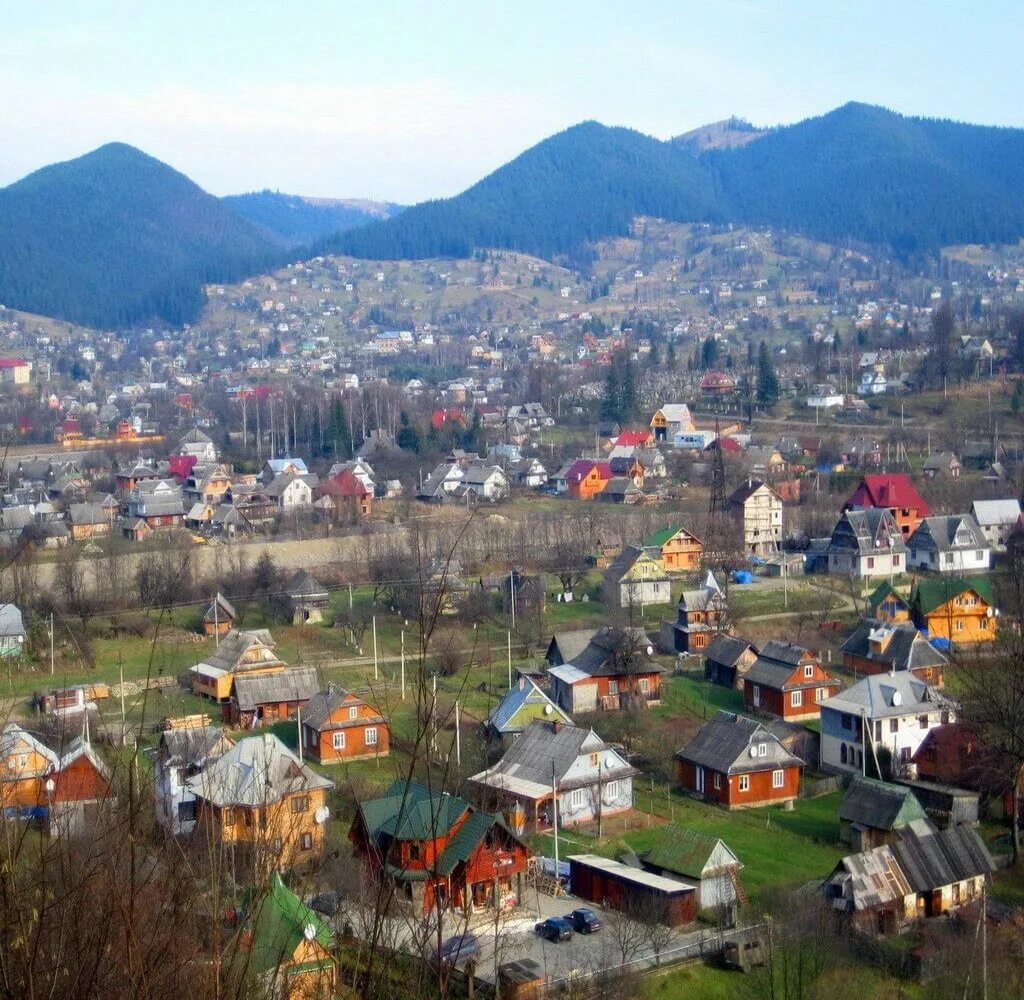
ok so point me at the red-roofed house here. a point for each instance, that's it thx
(586, 478)
(180, 466)
(895, 492)
(441, 417)
(349, 492)
(634, 439)
(16, 371)
(80, 785)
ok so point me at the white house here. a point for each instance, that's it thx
(181, 754)
(484, 482)
(825, 397)
(290, 491)
(872, 383)
(950, 544)
(997, 519)
(891, 711)
(866, 543)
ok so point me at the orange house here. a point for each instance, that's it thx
(678, 550)
(586, 478)
(338, 726)
(960, 610)
(25, 761)
(241, 652)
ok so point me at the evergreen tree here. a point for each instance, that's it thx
(340, 438)
(768, 390)
(670, 357)
(612, 394)
(708, 353)
(407, 438)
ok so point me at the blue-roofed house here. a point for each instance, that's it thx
(522, 704)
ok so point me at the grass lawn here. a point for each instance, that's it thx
(751, 600)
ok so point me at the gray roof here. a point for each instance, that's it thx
(612, 651)
(304, 585)
(775, 665)
(878, 805)
(727, 649)
(623, 562)
(868, 530)
(296, 684)
(882, 696)
(906, 648)
(228, 655)
(192, 746)
(940, 461)
(571, 644)
(317, 714)
(992, 512)
(932, 858)
(256, 771)
(87, 513)
(723, 745)
(11, 623)
(220, 610)
(941, 533)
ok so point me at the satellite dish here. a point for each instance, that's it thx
(650, 650)
(897, 698)
(309, 932)
(753, 751)
(322, 814)
(548, 709)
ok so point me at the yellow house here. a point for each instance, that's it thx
(15, 371)
(959, 610)
(247, 652)
(671, 419)
(678, 550)
(25, 762)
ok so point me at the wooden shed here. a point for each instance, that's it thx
(632, 890)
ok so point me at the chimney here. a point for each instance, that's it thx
(522, 683)
(556, 726)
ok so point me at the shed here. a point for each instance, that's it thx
(946, 805)
(622, 887)
(697, 859)
(872, 811)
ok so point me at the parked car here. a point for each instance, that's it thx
(584, 921)
(457, 949)
(554, 929)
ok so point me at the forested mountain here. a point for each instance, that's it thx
(859, 172)
(296, 220)
(116, 237)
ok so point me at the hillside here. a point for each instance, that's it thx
(295, 220)
(859, 172)
(727, 134)
(116, 237)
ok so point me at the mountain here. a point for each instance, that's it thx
(116, 237)
(727, 134)
(295, 220)
(859, 172)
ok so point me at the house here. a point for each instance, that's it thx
(765, 460)
(283, 948)
(866, 543)
(619, 886)
(634, 579)
(77, 790)
(239, 652)
(788, 681)
(700, 616)
(290, 491)
(88, 520)
(676, 549)
(283, 467)
(442, 481)
(997, 519)
(529, 472)
(25, 763)
(620, 489)
(955, 609)
(12, 631)
(614, 669)
(881, 716)
(198, 445)
(220, 617)
(738, 763)
(521, 705)
(887, 604)
(727, 660)
(261, 699)
(882, 647)
(758, 509)
(566, 646)
(671, 419)
(590, 779)
(350, 493)
(945, 463)
(896, 492)
(483, 482)
(307, 598)
(825, 397)
(923, 873)
(182, 753)
(872, 383)
(438, 851)
(338, 726)
(261, 801)
(949, 544)
(957, 755)
(873, 811)
(586, 478)
(717, 384)
(700, 860)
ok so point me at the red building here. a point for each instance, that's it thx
(788, 681)
(349, 493)
(438, 851)
(895, 492)
(338, 726)
(737, 763)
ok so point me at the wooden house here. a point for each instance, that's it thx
(240, 652)
(307, 597)
(522, 704)
(700, 616)
(263, 699)
(887, 604)
(698, 859)
(670, 420)
(957, 609)
(77, 791)
(873, 811)
(737, 763)
(587, 478)
(634, 579)
(339, 726)
(788, 681)
(676, 549)
(220, 617)
(878, 647)
(438, 851)
(25, 762)
(727, 660)
(895, 492)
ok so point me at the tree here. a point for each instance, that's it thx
(407, 438)
(768, 390)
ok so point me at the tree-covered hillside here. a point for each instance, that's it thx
(296, 220)
(116, 237)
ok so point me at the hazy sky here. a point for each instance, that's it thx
(412, 100)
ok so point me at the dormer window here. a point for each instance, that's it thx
(809, 670)
(762, 749)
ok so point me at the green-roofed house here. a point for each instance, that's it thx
(675, 549)
(282, 946)
(700, 860)
(438, 850)
(888, 604)
(954, 608)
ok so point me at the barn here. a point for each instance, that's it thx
(632, 890)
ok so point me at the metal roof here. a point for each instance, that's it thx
(723, 744)
(627, 873)
(296, 684)
(882, 696)
(879, 805)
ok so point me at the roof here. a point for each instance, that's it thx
(526, 692)
(571, 644)
(675, 412)
(775, 665)
(256, 771)
(297, 684)
(932, 858)
(905, 647)
(625, 560)
(727, 649)
(992, 512)
(930, 592)
(873, 529)
(13, 733)
(895, 489)
(228, 655)
(723, 744)
(191, 746)
(941, 460)
(87, 513)
(627, 873)
(744, 493)
(685, 852)
(322, 706)
(278, 922)
(949, 532)
(878, 805)
(613, 651)
(884, 591)
(883, 696)
(303, 584)
(220, 610)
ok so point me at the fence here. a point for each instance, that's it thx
(814, 787)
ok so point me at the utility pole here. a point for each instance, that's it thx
(403, 664)
(298, 723)
(51, 643)
(374, 647)
(554, 821)
(512, 586)
(509, 635)
(458, 738)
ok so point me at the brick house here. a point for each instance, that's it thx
(339, 726)
(897, 493)
(737, 763)
(788, 681)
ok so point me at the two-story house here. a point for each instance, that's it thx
(339, 726)
(949, 544)
(997, 519)
(758, 509)
(181, 754)
(700, 616)
(897, 493)
(866, 543)
(955, 609)
(881, 716)
(678, 550)
(241, 652)
(586, 478)
(882, 647)
(788, 681)
(590, 779)
(634, 580)
(671, 419)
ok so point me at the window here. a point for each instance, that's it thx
(878, 730)
(842, 753)
(613, 687)
(718, 780)
(594, 759)
(306, 841)
(778, 779)
(923, 721)
(755, 693)
(796, 698)
(809, 670)
(576, 799)
(762, 749)
(871, 562)
(979, 555)
(338, 739)
(894, 725)
(353, 712)
(744, 782)
(228, 817)
(300, 804)
(247, 815)
(23, 761)
(414, 852)
(645, 685)
(847, 722)
(611, 791)
(959, 625)
(371, 736)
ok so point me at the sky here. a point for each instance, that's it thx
(404, 101)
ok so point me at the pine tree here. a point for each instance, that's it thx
(768, 390)
(407, 438)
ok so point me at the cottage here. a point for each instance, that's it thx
(12, 631)
(590, 779)
(955, 609)
(26, 760)
(307, 598)
(290, 492)
(788, 681)
(895, 492)
(997, 519)
(220, 617)
(727, 660)
(882, 647)
(951, 544)
(758, 509)
(77, 791)
(676, 549)
(945, 463)
(866, 543)
(260, 699)
(703, 861)
(958, 755)
(632, 890)
(634, 579)
(671, 419)
(348, 493)
(887, 604)
(700, 616)
(873, 811)
(181, 754)
(89, 520)
(586, 478)
(239, 652)
(521, 705)
(338, 726)
(738, 763)
(438, 852)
